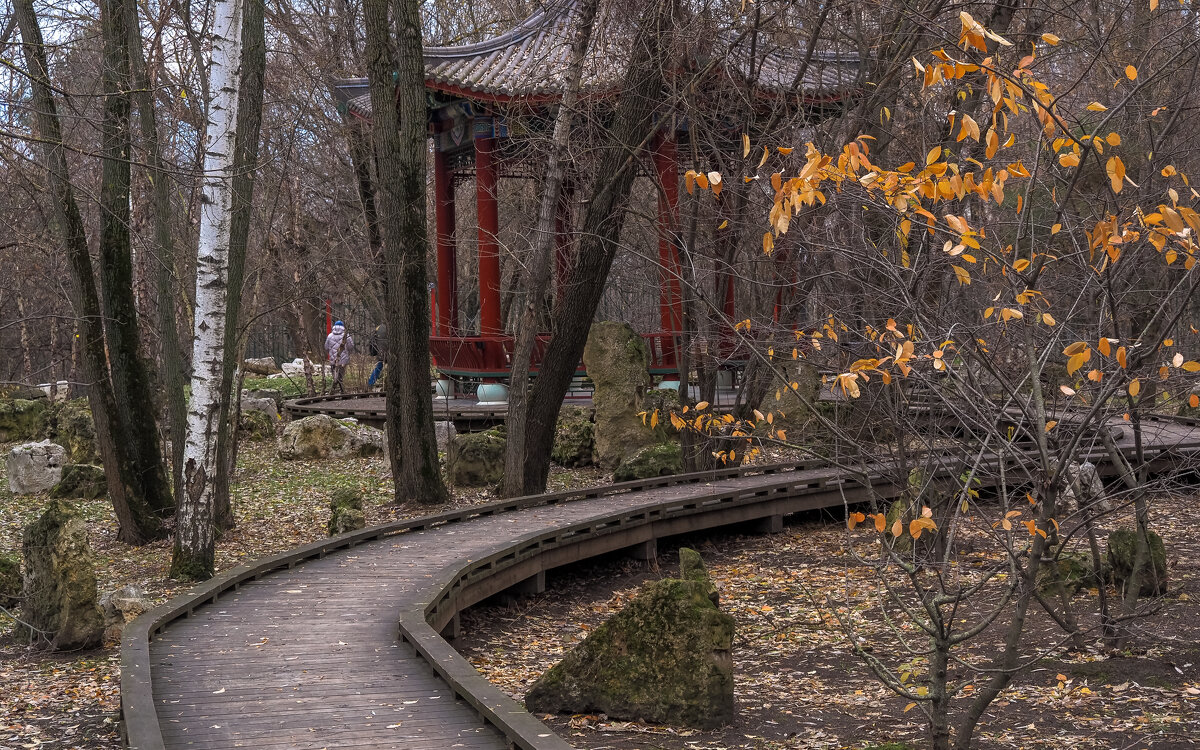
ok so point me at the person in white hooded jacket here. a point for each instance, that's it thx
(339, 345)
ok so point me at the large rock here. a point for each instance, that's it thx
(60, 582)
(664, 658)
(20, 419)
(617, 361)
(574, 438)
(261, 366)
(1122, 549)
(476, 459)
(1083, 490)
(345, 512)
(274, 394)
(35, 467)
(121, 607)
(266, 406)
(70, 424)
(10, 581)
(662, 460)
(322, 436)
(83, 481)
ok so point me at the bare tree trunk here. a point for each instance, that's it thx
(399, 134)
(537, 279)
(627, 139)
(130, 377)
(172, 365)
(249, 124)
(138, 520)
(195, 539)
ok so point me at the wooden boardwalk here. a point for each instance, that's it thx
(336, 644)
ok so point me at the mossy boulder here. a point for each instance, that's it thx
(665, 658)
(20, 419)
(84, 481)
(476, 459)
(256, 424)
(60, 581)
(662, 460)
(617, 364)
(1073, 569)
(346, 511)
(1122, 549)
(322, 436)
(574, 438)
(69, 423)
(10, 581)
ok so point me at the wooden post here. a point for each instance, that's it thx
(670, 302)
(447, 262)
(487, 176)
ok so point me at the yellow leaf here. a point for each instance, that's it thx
(1113, 139)
(1116, 173)
(1131, 72)
(964, 277)
(1051, 425)
(1169, 171)
(1135, 387)
(1153, 5)
(785, 151)
(702, 181)
(1191, 366)
(881, 521)
(1121, 360)
(1075, 348)
(724, 224)
(854, 520)
(933, 155)
(1067, 390)
(1096, 107)
(763, 160)
(1048, 319)
(1056, 229)
(768, 243)
(776, 181)
(1105, 346)
(1069, 160)
(1077, 361)
(1021, 264)
(715, 179)
(1051, 39)
(897, 528)
(745, 145)
(654, 419)
(702, 406)
(909, 707)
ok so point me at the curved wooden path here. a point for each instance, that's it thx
(336, 644)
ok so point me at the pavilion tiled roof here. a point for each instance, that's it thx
(530, 61)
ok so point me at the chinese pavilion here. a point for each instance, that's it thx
(475, 93)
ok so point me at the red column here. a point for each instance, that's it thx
(447, 262)
(670, 303)
(562, 245)
(487, 175)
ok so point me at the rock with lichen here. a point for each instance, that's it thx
(20, 418)
(345, 511)
(1122, 553)
(10, 581)
(665, 658)
(574, 438)
(617, 364)
(83, 481)
(476, 459)
(662, 460)
(60, 603)
(322, 436)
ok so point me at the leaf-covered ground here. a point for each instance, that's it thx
(799, 686)
(71, 700)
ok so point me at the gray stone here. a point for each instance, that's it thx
(265, 405)
(35, 467)
(20, 418)
(1083, 490)
(261, 366)
(322, 436)
(574, 438)
(121, 607)
(662, 460)
(476, 459)
(617, 361)
(60, 581)
(272, 393)
(83, 481)
(345, 512)
(444, 432)
(664, 658)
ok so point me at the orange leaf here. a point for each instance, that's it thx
(1194, 401)
(1131, 72)
(881, 519)
(1135, 387)
(1116, 173)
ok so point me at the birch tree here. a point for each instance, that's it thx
(195, 530)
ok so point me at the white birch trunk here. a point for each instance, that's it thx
(194, 540)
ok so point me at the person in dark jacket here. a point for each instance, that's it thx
(339, 345)
(378, 348)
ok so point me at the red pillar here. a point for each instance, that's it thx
(447, 262)
(562, 245)
(670, 302)
(487, 175)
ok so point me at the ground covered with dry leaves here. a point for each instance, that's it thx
(66, 701)
(799, 686)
